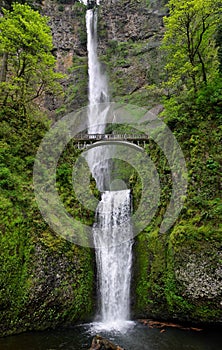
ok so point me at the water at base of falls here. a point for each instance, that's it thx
(139, 337)
(114, 327)
(113, 238)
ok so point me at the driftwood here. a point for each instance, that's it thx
(100, 343)
(162, 325)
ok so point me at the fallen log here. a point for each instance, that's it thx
(100, 343)
(161, 325)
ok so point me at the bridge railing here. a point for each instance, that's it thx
(98, 137)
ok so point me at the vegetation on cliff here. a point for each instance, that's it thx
(180, 272)
(45, 280)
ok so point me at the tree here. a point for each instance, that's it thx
(28, 66)
(189, 42)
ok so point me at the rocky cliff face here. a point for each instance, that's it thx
(129, 37)
(179, 275)
(199, 278)
(132, 20)
(66, 22)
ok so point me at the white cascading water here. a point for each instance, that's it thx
(98, 87)
(114, 259)
(112, 226)
(98, 102)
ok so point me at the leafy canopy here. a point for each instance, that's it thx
(189, 42)
(28, 66)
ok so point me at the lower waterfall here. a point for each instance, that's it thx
(113, 235)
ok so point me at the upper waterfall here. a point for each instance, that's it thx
(98, 87)
(98, 102)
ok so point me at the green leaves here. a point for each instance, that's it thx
(24, 29)
(27, 64)
(189, 42)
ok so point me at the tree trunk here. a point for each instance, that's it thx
(204, 75)
(3, 72)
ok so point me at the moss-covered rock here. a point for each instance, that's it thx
(179, 275)
(44, 279)
(49, 283)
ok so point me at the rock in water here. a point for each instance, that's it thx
(100, 343)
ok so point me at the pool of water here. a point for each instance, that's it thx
(137, 337)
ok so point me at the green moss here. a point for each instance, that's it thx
(197, 232)
(159, 292)
(31, 296)
(150, 266)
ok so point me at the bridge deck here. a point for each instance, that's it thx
(116, 137)
(82, 141)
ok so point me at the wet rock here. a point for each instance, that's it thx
(199, 278)
(128, 19)
(100, 343)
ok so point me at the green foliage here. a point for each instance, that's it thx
(27, 64)
(126, 64)
(16, 216)
(209, 99)
(159, 257)
(151, 267)
(197, 127)
(28, 247)
(75, 95)
(65, 186)
(189, 43)
(28, 72)
(193, 116)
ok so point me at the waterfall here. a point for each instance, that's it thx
(114, 259)
(98, 102)
(112, 230)
(98, 87)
